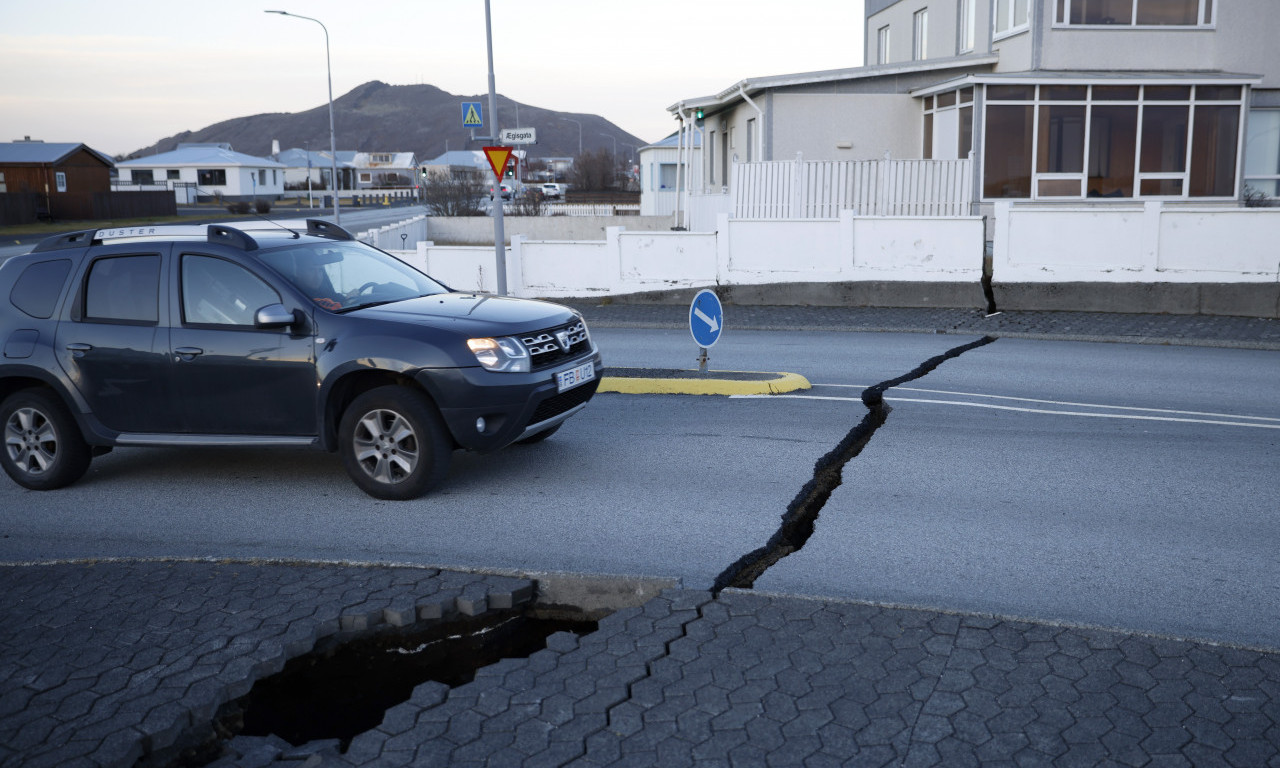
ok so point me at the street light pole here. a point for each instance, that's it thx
(570, 119)
(499, 233)
(333, 143)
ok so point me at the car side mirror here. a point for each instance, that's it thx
(274, 316)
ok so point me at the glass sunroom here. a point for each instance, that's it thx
(1094, 136)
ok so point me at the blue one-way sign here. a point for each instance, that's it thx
(706, 318)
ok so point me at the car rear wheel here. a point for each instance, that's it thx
(43, 448)
(394, 444)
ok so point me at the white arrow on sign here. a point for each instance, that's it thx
(711, 321)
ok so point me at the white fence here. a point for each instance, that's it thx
(806, 190)
(397, 236)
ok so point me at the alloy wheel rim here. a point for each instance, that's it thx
(30, 441)
(386, 446)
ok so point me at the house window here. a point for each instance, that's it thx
(711, 155)
(60, 179)
(751, 139)
(1261, 152)
(173, 174)
(262, 177)
(1011, 16)
(1135, 13)
(1123, 141)
(144, 176)
(948, 125)
(366, 178)
(967, 24)
(211, 177)
(920, 35)
(882, 45)
(3, 187)
(667, 176)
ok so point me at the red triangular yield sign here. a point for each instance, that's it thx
(498, 157)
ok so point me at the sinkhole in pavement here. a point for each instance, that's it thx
(344, 687)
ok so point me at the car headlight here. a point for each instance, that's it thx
(501, 354)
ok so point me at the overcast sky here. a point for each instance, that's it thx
(119, 75)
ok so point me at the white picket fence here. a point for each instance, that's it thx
(820, 190)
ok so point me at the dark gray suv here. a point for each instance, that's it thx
(285, 333)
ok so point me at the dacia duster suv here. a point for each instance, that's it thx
(276, 334)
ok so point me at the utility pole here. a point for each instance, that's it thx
(499, 233)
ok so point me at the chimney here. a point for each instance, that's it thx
(275, 147)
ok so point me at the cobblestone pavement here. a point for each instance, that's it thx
(112, 663)
(1198, 330)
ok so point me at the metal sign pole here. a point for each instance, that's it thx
(499, 233)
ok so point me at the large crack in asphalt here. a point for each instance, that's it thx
(828, 473)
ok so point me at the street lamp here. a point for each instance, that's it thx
(333, 144)
(570, 119)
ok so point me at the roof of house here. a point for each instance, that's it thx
(461, 157)
(44, 152)
(203, 155)
(398, 160)
(751, 85)
(297, 158)
(674, 141)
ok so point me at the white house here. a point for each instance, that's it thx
(301, 164)
(1058, 100)
(384, 170)
(201, 172)
(660, 172)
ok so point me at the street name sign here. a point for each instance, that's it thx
(518, 136)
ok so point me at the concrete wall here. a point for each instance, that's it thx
(1144, 257)
(478, 230)
(743, 253)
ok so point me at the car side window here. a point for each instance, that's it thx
(36, 292)
(124, 289)
(218, 292)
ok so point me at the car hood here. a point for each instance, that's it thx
(473, 313)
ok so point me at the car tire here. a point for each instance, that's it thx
(42, 448)
(394, 444)
(543, 435)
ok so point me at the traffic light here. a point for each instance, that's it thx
(698, 113)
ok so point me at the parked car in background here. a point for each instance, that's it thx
(550, 190)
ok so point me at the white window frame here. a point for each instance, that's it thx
(1253, 114)
(1141, 102)
(920, 35)
(60, 179)
(1062, 18)
(1009, 26)
(882, 45)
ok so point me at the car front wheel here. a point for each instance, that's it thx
(394, 444)
(43, 448)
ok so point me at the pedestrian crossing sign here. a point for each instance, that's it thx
(472, 115)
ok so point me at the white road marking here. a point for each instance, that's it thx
(1134, 413)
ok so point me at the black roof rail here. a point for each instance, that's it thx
(220, 233)
(78, 239)
(328, 228)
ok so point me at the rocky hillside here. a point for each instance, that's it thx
(376, 117)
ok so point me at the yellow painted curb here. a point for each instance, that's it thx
(768, 384)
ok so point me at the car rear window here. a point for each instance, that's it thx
(37, 289)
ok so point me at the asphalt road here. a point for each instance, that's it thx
(1159, 519)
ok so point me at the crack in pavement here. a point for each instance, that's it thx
(828, 473)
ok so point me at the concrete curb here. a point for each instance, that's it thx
(670, 381)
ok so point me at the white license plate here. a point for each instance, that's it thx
(575, 376)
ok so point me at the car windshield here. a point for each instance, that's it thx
(343, 276)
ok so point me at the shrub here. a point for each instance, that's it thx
(262, 206)
(238, 206)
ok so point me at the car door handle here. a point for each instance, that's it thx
(77, 349)
(187, 353)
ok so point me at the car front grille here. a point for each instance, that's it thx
(556, 345)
